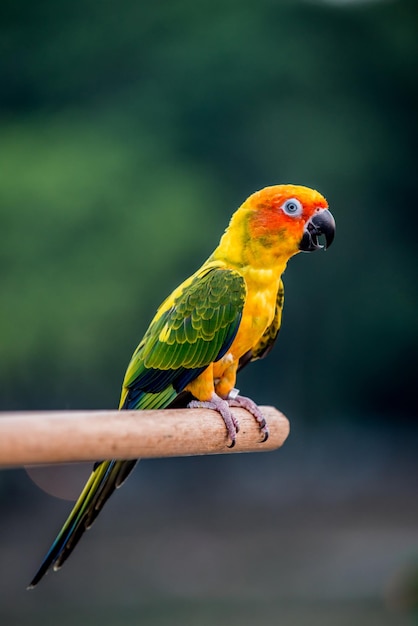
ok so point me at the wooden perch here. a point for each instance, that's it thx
(67, 436)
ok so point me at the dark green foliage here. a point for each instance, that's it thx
(129, 134)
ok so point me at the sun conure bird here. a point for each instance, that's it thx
(225, 315)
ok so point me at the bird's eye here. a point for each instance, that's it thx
(292, 207)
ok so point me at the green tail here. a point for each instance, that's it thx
(105, 478)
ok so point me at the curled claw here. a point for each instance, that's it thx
(265, 431)
(251, 407)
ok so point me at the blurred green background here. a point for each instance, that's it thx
(129, 133)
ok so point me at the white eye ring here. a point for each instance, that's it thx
(292, 207)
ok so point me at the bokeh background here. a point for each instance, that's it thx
(129, 133)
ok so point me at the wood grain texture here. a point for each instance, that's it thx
(67, 436)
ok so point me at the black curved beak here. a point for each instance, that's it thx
(321, 223)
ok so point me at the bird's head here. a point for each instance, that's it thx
(288, 219)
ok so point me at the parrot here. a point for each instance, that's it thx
(224, 316)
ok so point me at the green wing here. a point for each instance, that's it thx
(266, 342)
(193, 328)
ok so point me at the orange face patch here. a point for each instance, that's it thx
(269, 223)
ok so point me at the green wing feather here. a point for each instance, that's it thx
(193, 327)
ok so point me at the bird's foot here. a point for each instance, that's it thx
(234, 399)
(223, 408)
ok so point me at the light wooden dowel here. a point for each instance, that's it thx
(66, 436)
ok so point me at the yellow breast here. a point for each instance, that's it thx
(258, 313)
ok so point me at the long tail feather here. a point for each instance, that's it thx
(105, 478)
